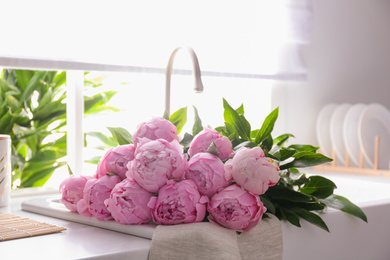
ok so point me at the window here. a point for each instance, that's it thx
(242, 48)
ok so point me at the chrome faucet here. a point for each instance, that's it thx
(196, 71)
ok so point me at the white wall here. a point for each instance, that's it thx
(348, 61)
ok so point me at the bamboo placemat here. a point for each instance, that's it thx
(12, 227)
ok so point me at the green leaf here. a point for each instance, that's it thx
(319, 187)
(280, 192)
(240, 110)
(40, 167)
(166, 115)
(60, 79)
(281, 153)
(69, 170)
(46, 98)
(267, 127)
(311, 206)
(179, 119)
(311, 218)
(280, 140)
(5, 122)
(58, 145)
(13, 103)
(52, 110)
(102, 137)
(248, 144)
(96, 101)
(343, 204)
(267, 203)
(197, 124)
(291, 217)
(306, 159)
(304, 148)
(301, 180)
(38, 178)
(213, 149)
(239, 122)
(94, 160)
(267, 143)
(33, 84)
(187, 139)
(23, 77)
(121, 135)
(231, 131)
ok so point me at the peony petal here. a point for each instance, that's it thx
(200, 212)
(152, 202)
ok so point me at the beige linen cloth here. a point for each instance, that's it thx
(209, 241)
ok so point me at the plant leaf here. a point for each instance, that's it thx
(291, 217)
(280, 192)
(343, 204)
(281, 153)
(319, 187)
(102, 137)
(267, 143)
(69, 170)
(239, 122)
(213, 149)
(267, 203)
(304, 148)
(121, 135)
(306, 159)
(23, 77)
(267, 127)
(280, 140)
(248, 144)
(96, 101)
(179, 119)
(311, 218)
(32, 85)
(197, 124)
(94, 160)
(187, 139)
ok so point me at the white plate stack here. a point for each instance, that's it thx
(345, 128)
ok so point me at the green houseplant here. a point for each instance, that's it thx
(33, 113)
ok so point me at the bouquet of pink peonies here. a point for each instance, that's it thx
(230, 176)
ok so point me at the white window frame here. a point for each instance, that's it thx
(75, 105)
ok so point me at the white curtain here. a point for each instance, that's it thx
(251, 37)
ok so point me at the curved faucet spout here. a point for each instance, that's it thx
(197, 76)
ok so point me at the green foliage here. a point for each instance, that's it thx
(295, 196)
(33, 113)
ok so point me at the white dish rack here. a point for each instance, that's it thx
(347, 168)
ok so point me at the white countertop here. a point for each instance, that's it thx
(350, 238)
(77, 242)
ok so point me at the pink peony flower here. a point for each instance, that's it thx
(96, 191)
(156, 128)
(205, 138)
(71, 190)
(252, 171)
(177, 203)
(115, 161)
(235, 208)
(156, 162)
(82, 208)
(128, 203)
(207, 171)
